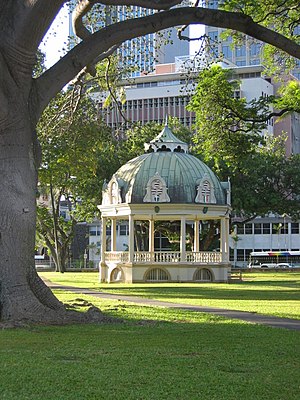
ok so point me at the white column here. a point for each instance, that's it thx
(113, 234)
(102, 265)
(151, 239)
(196, 235)
(225, 239)
(103, 238)
(131, 238)
(183, 239)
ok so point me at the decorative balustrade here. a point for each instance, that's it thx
(203, 257)
(116, 256)
(145, 257)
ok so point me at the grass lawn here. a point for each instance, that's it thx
(154, 353)
(271, 293)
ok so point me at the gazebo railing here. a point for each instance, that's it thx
(116, 256)
(164, 257)
(156, 256)
(204, 257)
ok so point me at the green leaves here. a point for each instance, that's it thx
(78, 154)
(229, 138)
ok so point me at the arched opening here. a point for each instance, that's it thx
(117, 275)
(203, 275)
(157, 275)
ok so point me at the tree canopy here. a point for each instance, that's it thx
(78, 153)
(231, 137)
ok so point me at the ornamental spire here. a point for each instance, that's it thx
(166, 141)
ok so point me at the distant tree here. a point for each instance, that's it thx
(78, 153)
(228, 137)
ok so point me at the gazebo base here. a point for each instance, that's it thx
(163, 272)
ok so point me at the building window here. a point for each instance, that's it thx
(248, 229)
(213, 35)
(240, 230)
(227, 52)
(257, 229)
(205, 192)
(240, 51)
(156, 274)
(203, 275)
(156, 190)
(295, 227)
(284, 228)
(94, 231)
(124, 230)
(266, 229)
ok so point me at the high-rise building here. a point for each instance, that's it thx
(247, 53)
(141, 54)
(166, 91)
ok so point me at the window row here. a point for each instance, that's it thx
(159, 102)
(122, 229)
(268, 228)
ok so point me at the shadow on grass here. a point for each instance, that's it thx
(240, 291)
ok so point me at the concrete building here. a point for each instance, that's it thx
(167, 91)
(270, 233)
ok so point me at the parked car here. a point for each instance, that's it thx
(268, 265)
(284, 265)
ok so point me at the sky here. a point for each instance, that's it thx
(56, 38)
(55, 41)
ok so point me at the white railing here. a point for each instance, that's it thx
(157, 256)
(203, 257)
(116, 256)
(146, 257)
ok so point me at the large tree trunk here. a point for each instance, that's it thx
(23, 295)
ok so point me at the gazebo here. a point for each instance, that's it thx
(166, 185)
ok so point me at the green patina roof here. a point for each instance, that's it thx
(181, 172)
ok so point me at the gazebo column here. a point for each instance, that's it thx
(102, 264)
(151, 239)
(113, 234)
(225, 239)
(183, 239)
(131, 239)
(196, 236)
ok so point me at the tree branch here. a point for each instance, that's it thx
(38, 19)
(48, 84)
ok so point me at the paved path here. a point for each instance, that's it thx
(252, 317)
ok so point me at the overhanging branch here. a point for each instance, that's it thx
(48, 84)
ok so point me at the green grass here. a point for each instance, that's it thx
(155, 353)
(270, 293)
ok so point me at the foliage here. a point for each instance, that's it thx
(229, 138)
(283, 17)
(78, 153)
